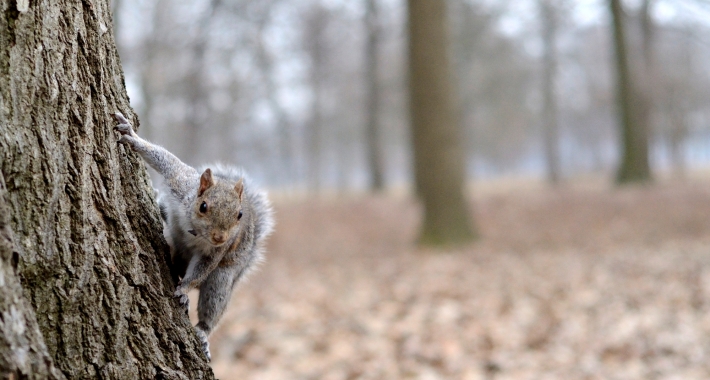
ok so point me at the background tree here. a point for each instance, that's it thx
(316, 45)
(373, 99)
(88, 239)
(550, 127)
(681, 97)
(197, 82)
(647, 63)
(495, 80)
(438, 153)
(255, 103)
(634, 166)
(267, 69)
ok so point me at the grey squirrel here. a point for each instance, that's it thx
(215, 223)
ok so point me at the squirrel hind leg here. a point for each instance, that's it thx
(215, 293)
(202, 335)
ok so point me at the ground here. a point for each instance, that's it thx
(580, 282)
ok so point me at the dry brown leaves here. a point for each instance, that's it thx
(564, 284)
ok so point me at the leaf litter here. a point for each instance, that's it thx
(569, 283)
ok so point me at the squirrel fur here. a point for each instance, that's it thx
(215, 222)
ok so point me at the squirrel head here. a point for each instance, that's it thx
(217, 211)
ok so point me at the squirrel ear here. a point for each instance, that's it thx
(239, 188)
(205, 182)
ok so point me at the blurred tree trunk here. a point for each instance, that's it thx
(283, 122)
(116, 9)
(88, 239)
(677, 98)
(314, 137)
(648, 35)
(148, 68)
(548, 16)
(343, 159)
(677, 136)
(374, 152)
(197, 93)
(634, 165)
(438, 153)
(315, 41)
(645, 81)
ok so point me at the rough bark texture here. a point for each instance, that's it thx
(438, 152)
(91, 256)
(634, 165)
(23, 354)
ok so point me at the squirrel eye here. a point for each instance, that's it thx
(203, 207)
(239, 216)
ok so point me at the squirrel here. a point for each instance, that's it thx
(214, 222)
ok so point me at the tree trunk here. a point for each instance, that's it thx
(90, 251)
(314, 136)
(438, 152)
(265, 59)
(676, 100)
(374, 153)
(634, 165)
(315, 46)
(197, 96)
(23, 353)
(549, 107)
(677, 136)
(644, 83)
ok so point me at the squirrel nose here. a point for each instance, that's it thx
(219, 237)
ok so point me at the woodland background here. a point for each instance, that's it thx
(282, 87)
(571, 277)
(581, 186)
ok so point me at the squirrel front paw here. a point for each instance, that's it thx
(183, 299)
(124, 127)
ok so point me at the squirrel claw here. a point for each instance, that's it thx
(124, 126)
(183, 299)
(124, 129)
(204, 343)
(206, 350)
(120, 118)
(127, 140)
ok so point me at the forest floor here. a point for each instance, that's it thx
(580, 282)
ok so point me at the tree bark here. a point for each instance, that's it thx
(634, 165)
(23, 353)
(438, 153)
(89, 244)
(374, 152)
